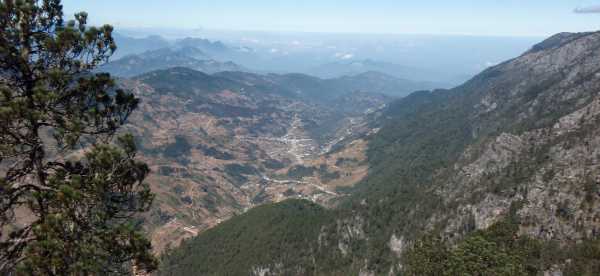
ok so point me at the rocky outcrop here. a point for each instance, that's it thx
(534, 147)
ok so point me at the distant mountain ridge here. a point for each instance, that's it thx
(355, 67)
(131, 45)
(165, 58)
(140, 55)
(293, 85)
(203, 44)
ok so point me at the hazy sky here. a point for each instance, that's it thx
(476, 17)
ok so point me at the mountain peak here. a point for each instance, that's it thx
(203, 44)
(559, 40)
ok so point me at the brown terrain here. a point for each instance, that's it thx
(218, 152)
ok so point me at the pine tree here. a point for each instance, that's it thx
(70, 188)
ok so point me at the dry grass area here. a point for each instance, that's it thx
(219, 166)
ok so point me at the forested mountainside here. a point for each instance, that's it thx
(499, 176)
(223, 143)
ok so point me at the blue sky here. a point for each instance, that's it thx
(472, 17)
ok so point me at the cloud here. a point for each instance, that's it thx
(344, 55)
(490, 64)
(251, 40)
(589, 9)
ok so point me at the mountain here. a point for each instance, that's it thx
(384, 83)
(498, 176)
(165, 58)
(419, 77)
(203, 44)
(221, 144)
(237, 53)
(131, 45)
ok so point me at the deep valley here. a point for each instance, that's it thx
(267, 138)
(221, 144)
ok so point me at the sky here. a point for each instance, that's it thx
(465, 17)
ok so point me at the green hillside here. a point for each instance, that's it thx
(282, 233)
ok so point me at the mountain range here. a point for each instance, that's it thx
(498, 176)
(196, 59)
(133, 45)
(439, 61)
(355, 67)
(163, 58)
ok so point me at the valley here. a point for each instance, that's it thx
(238, 140)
